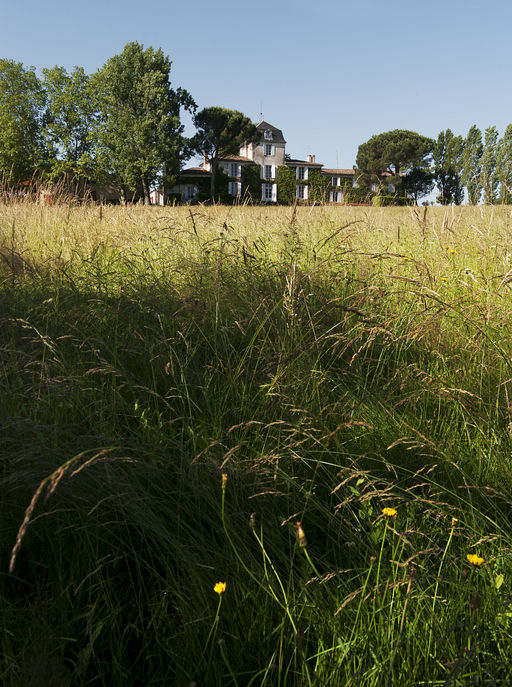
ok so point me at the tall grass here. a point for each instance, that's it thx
(331, 362)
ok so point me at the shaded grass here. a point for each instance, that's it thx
(326, 375)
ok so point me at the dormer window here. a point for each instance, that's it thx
(267, 135)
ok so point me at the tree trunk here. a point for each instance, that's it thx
(145, 187)
(213, 169)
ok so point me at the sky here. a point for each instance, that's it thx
(330, 74)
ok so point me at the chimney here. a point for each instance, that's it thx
(310, 158)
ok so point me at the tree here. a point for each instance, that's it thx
(221, 132)
(418, 182)
(140, 134)
(21, 104)
(490, 179)
(472, 165)
(395, 153)
(504, 166)
(447, 157)
(69, 121)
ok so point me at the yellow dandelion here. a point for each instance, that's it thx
(474, 559)
(220, 588)
(444, 279)
(389, 512)
(406, 258)
(452, 250)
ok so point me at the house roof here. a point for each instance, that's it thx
(235, 158)
(339, 172)
(194, 172)
(302, 163)
(277, 134)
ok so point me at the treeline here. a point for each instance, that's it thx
(120, 125)
(472, 169)
(480, 165)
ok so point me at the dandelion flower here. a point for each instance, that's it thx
(444, 279)
(389, 512)
(474, 559)
(220, 588)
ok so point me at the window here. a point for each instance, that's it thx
(391, 188)
(301, 192)
(268, 172)
(267, 135)
(234, 188)
(190, 192)
(335, 196)
(234, 170)
(336, 181)
(269, 149)
(302, 173)
(269, 192)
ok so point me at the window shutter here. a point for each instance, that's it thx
(273, 170)
(306, 173)
(274, 193)
(262, 191)
(297, 173)
(306, 189)
(272, 150)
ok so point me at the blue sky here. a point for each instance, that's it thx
(330, 74)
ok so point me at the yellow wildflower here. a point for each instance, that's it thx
(220, 588)
(301, 537)
(474, 559)
(389, 512)
(224, 480)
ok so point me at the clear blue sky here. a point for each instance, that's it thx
(329, 73)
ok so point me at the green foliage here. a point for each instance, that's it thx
(21, 106)
(286, 185)
(140, 127)
(319, 186)
(472, 165)
(69, 121)
(504, 166)
(490, 178)
(395, 152)
(447, 158)
(251, 182)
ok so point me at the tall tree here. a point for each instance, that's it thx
(140, 133)
(447, 157)
(395, 153)
(69, 121)
(21, 107)
(504, 166)
(490, 179)
(472, 165)
(221, 132)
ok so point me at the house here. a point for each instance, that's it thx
(264, 171)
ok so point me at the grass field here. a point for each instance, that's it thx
(181, 387)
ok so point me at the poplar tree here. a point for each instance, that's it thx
(472, 165)
(447, 156)
(21, 109)
(504, 166)
(140, 133)
(489, 161)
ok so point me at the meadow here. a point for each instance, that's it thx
(309, 406)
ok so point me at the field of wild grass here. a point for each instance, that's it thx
(312, 407)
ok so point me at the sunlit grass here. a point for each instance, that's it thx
(255, 446)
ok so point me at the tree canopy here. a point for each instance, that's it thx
(140, 134)
(394, 153)
(21, 106)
